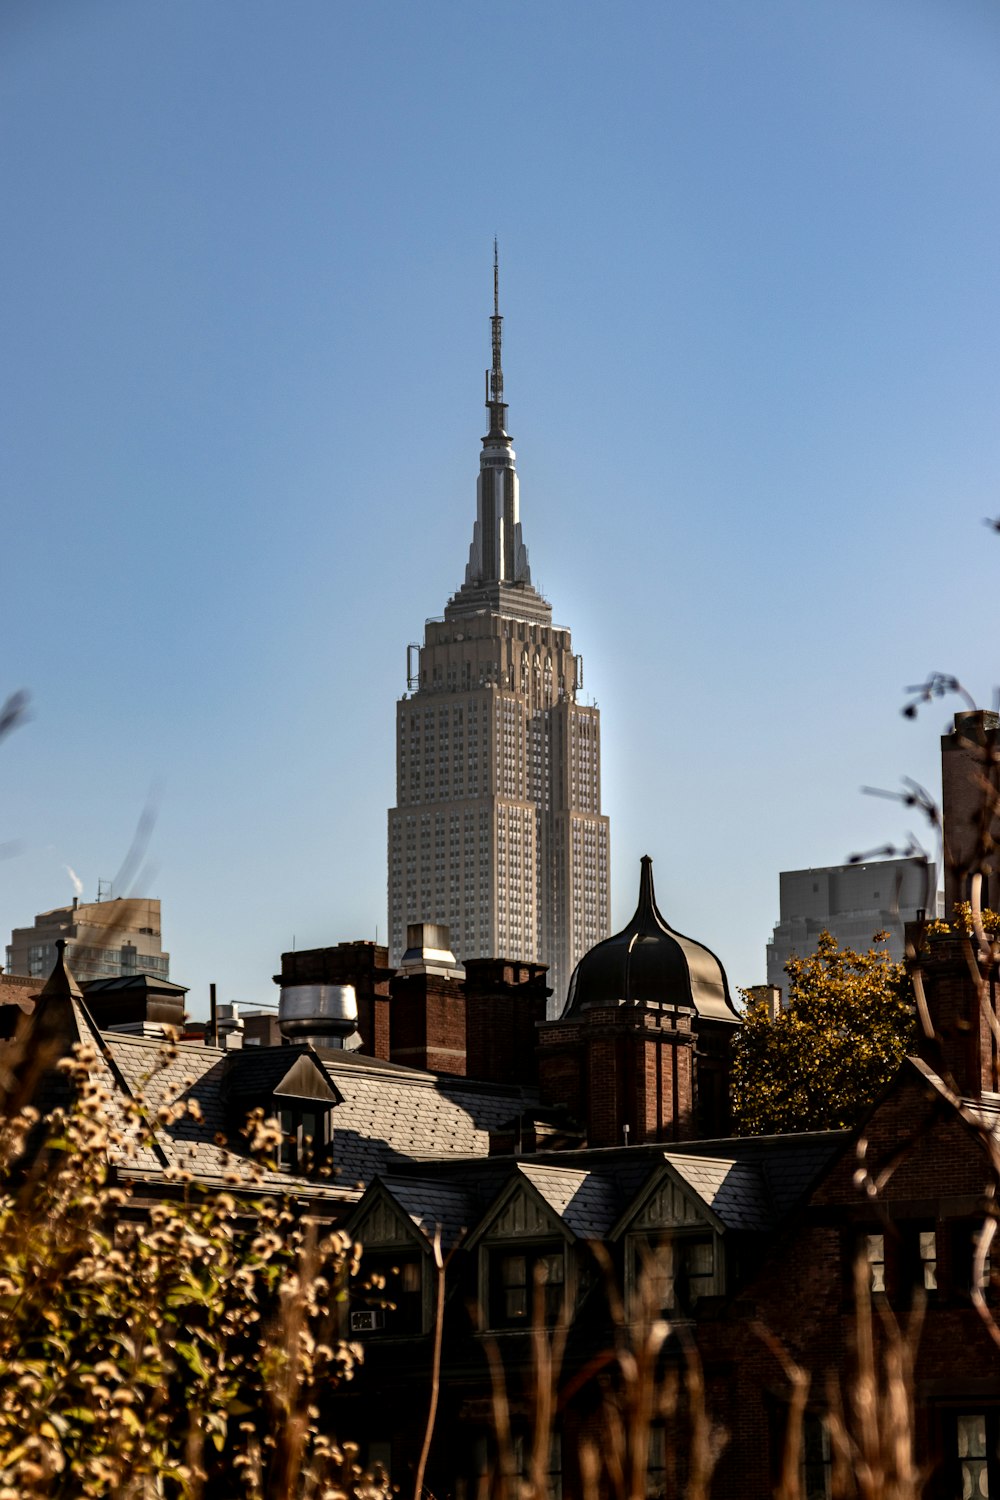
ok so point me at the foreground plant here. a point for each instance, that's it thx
(158, 1349)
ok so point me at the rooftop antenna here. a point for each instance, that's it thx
(494, 377)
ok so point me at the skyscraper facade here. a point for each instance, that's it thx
(497, 828)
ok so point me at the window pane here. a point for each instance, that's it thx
(928, 1259)
(817, 1460)
(288, 1155)
(985, 1276)
(971, 1435)
(700, 1260)
(876, 1261)
(656, 1464)
(514, 1270)
(654, 1275)
(515, 1302)
(550, 1268)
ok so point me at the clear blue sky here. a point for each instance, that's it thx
(750, 279)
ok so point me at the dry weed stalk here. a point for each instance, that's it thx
(644, 1390)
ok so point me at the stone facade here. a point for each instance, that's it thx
(106, 939)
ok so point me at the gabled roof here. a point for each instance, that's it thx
(383, 1114)
(586, 1202)
(576, 1203)
(735, 1191)
(262, 1073)
(430, 1205)
(62, 1021)
(167, 1078)
(667, 1201)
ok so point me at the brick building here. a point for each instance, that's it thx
(550, 1153)
(751, 1245)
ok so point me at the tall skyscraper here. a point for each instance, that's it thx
(497, 828)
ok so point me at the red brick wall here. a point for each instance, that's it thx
(803, 1295)
(964, 1049)
(427, 1022)
(504, 1002)
(968, 755)
(619, 1066)
(560, 1075)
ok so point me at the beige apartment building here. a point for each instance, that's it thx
(104, 939)
(497, 829)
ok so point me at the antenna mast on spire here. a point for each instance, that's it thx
(494, 377)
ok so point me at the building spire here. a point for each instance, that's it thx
(494, 378)
(498, 577)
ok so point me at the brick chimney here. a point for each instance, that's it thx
(365, 965)
(504, 1002)
(964, 1046)
(970, 799)
(427, 1003)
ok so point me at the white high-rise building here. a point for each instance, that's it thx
(497, 829)
(104, 940)
(852, 902)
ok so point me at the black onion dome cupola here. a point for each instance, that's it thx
(647, 963)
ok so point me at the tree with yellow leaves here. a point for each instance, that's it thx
(824, 1058)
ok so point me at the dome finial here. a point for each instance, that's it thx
(647, 896)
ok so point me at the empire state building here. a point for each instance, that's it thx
(497, 828)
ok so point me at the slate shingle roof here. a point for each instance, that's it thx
(734, 1190)
(587, 1202)
(393, 1121)
(748, 1183)
(389, 1112)
(433, 1204)
(790, 1164)
(165, 1077)
(131, 1152)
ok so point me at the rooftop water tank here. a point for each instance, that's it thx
(325, 1015)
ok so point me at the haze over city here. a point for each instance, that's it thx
(747, 261)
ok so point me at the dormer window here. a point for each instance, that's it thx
(671, 1274)
(291, 1085)
(389, 1296)
(514, 1275)
(304, 1138)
